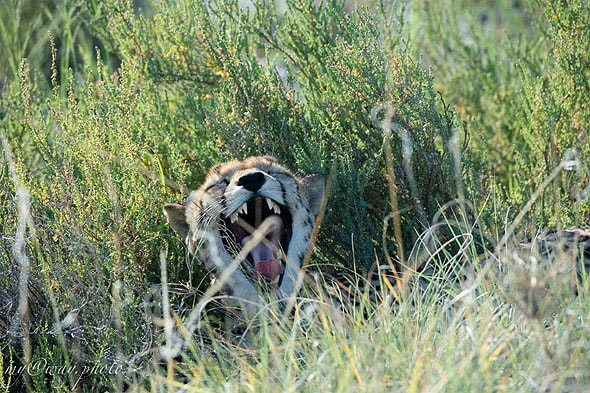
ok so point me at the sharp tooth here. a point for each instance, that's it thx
(242, 209)
(234, 217)
(276, 208)
(273, 206)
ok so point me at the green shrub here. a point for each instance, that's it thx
(91, 159)
(306, 86)
(102, 150)
(521, 80)
(24, 25)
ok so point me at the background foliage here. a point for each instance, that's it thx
(124, 106)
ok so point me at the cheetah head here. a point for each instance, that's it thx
(254, 213)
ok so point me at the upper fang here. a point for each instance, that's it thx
(242, 209)
(272, 205)
(234, 217)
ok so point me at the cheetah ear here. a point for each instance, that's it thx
(314, 186)
(175, 214)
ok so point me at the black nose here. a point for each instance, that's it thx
(252, 181)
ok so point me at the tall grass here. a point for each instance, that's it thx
(433, 169)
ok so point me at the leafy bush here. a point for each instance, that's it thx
(306, 86)
(521, 78)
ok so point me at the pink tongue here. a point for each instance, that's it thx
(264, 261)
(270, 268)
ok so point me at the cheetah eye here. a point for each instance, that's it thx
(223, 183)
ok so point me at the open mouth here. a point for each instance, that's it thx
(266, 256)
